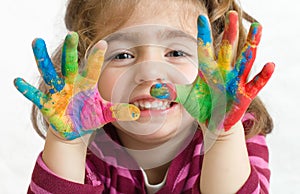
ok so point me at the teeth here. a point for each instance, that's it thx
(155, 105)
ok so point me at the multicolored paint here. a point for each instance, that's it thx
(161, 91)
(218, 78)
(73, 106)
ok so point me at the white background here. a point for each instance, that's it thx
(22, 21)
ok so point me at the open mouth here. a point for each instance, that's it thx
(157, 105)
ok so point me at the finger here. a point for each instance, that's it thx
(205, 44)
(69, 60)
(95, 60)
(248, 54)
(121, 112)
(164, 91)
(194, 97)
(260, 80)
(171, 92)
(46, 67)
(229, 42)
(207, 65)
(30, 92)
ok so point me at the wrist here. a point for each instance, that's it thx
(53, 135)
(236, 130)
(221, 135)
(65, 158)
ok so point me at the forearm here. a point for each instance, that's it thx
(65, 159)
(226, 165)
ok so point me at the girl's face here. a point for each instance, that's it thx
(147, 49)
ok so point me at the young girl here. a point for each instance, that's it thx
(150, 143)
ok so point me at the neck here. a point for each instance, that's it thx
(157, 175)
(153, 154)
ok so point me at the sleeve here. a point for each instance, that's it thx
(259, 178)
(43, 181)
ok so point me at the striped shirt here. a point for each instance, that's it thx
(106, 172)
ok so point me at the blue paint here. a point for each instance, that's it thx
(158, 85)
(46, 67)
(30, 92)
(160, 91)
(204, 30)
(232, 83)
(247, 55)
(255, 30)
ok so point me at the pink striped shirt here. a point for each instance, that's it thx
(110, 175)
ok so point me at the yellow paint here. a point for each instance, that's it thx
(225, 56)
(125, 112)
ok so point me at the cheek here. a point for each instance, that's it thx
(116, 84)
(189, 73)
(106, 83)
(192, 74)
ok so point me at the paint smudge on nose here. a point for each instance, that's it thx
(160, 91)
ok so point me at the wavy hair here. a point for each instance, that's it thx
(86, 17)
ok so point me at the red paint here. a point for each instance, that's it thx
(231, 27)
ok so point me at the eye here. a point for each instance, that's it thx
(122, 56)
(176, 53)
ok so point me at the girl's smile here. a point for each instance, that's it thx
(153, 107)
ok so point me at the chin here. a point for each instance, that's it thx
(155, 127)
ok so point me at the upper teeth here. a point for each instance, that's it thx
(154, 105)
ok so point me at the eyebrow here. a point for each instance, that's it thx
(161, 35)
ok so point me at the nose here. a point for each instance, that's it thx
(150, 71)
(150, 65)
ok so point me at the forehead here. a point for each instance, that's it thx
(178, 14)
(147, 34)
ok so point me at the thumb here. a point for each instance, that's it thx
(172, 92)
(194, 97)
(121, 112)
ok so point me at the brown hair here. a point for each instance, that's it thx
(86, 17)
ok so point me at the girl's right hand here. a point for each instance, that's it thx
(73, 106)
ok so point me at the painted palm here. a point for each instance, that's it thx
(73, 105)
(221, 94)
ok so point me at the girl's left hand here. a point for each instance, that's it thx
(220, 90)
